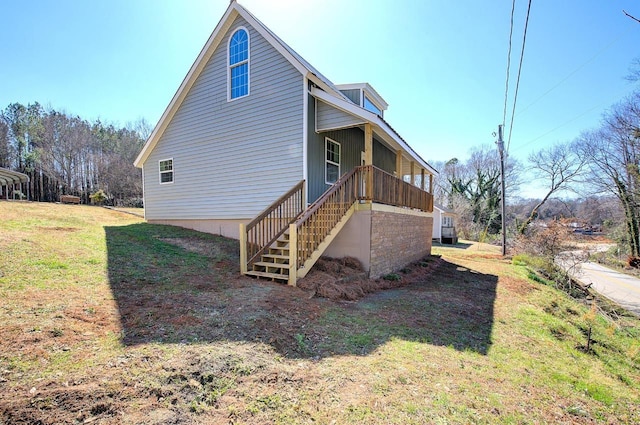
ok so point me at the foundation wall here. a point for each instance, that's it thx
(384, 238)
(398, 239)
(354, 240)
(227, 228)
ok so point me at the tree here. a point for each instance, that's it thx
(558, 166)
(5, 147)
(63, 153)
(613, 152)
(472, 189)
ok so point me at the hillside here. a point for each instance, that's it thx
(106, 319)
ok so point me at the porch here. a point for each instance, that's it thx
(449, 235)
(286, 239)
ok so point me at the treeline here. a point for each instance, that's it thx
(600, 170)
(65, 154)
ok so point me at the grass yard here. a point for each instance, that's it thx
(105, 319)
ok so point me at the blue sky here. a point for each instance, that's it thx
(440, 64)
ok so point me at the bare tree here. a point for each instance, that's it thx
(613, 153)
(558, 166)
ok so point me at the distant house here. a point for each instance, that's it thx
(444, 225)
(258, 145)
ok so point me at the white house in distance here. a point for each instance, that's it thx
(444, 224)
(258, 145)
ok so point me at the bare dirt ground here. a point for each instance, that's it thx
(151, 383)
(105, 319)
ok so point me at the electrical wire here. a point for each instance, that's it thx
(515, 96)
(506, 85)
(599, 105)
(572, 73)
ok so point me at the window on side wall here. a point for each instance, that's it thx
(332, 161)
(369, 106)
(238, 72)
(166, 171)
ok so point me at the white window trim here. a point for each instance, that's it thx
(248, 62)
(326, 161)
(366, 97)
(173, 171)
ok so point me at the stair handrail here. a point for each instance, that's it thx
(315, 224)
(261, 232)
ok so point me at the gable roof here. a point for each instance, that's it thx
(233, 11)
(305, 68)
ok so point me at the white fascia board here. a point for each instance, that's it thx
(375, 120)
(207, 51)
(188, 81)
(376, 98)
(305, 136)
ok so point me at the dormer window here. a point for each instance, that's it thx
(369, 106)
(238, 78)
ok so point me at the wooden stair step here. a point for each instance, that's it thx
(275, 256)
(268, 275)
(278, 249)
(272, 265)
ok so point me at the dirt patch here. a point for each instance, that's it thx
(345, 278)
(199, 246)
(59, 229)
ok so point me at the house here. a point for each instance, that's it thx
(258, 145)
(444, 225)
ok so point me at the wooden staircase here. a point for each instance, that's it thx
(274, 264)
(284, 241)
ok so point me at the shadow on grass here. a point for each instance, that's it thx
(458, 245)
(173, 285)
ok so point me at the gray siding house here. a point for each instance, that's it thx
(258, 145)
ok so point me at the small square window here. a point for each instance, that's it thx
(166, 171)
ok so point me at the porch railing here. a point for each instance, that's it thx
(448, 232)
(382, 187)
(364, 183)
(263, 230)
(323, 215)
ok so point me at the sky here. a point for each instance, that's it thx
(441, 65)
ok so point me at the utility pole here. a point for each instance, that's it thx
(500, 143)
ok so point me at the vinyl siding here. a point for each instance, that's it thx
(353, 95)
(231, 159)
(329, 117)
(351, 144)
(383, 157)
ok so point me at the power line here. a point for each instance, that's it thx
(515, 96)
(506, 86)
(572, 73)
(558, 127)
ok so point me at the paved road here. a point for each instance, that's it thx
(619, 287)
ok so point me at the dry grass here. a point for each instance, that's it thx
(105, 319)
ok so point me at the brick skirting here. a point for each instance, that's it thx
(398, 239)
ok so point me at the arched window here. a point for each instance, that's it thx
(239, 64)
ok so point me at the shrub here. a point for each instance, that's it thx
(98, 197)
(633, 262)
(394, 277)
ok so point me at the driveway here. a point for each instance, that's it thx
(618, 287)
